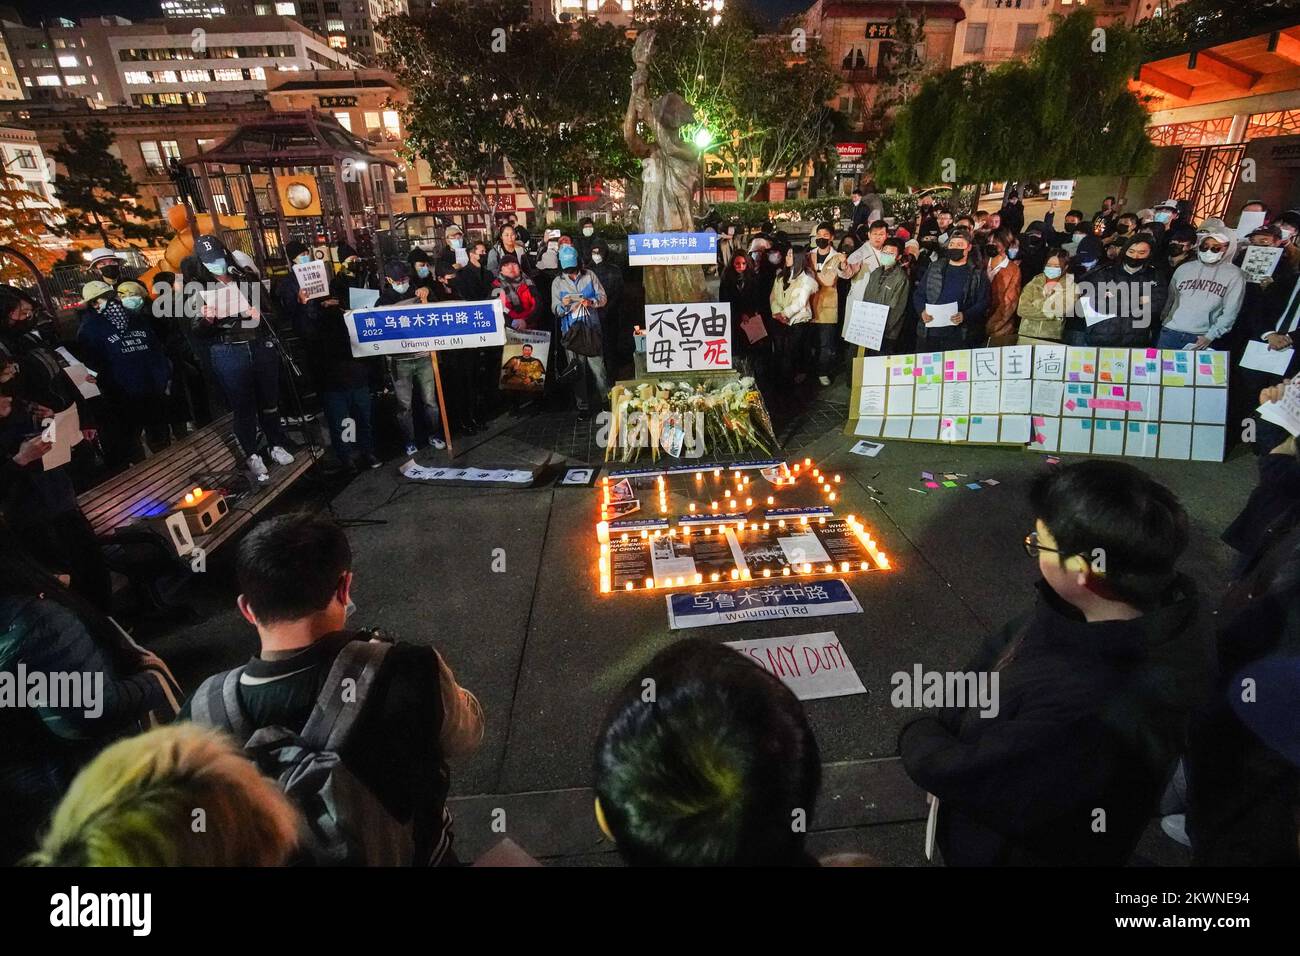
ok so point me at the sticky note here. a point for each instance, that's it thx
(950, 484)
(974, 486)
(932, 484)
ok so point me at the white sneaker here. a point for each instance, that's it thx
(410, 450)
(823, 380)
(437, 443)
(257, 467)
(280, 456)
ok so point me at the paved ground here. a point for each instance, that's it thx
(544, 651)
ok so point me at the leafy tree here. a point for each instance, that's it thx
(1066, 111)
(487, 86)
(23, 225)
(95, 188)
(762, 97)
(1195, 19)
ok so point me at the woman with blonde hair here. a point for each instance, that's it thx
(180, 795)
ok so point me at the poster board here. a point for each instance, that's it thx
(1142, 402)
(688, 337)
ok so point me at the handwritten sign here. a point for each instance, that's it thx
(672, 248)
(440, 327)
(1060, 189)
(313, 278)
(814, 666)
(688, 337)
(866, 324)
(1260, 262)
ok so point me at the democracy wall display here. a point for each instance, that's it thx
(1143, 402)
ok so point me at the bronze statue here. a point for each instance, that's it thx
(669, 175)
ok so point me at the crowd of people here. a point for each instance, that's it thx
(1110, 698)
(1115, 278)
(1114, 703)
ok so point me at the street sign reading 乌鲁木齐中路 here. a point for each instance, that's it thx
(672, 249)
(688, 337)
(440, 327)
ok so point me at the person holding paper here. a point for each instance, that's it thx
(1096, 685)
(1205, 295)
(742, 290)
(134, 373)
(245, 360)
(889, 286)
(1131, 292)
(956, 280)
(1047, 300)
(1270, 331)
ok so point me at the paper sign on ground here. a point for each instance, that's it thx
(813, 666)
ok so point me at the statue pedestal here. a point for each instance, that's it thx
(672, 284)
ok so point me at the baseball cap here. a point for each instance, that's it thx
(94, 289)
(209, 248)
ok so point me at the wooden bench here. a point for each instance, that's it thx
(205, 458)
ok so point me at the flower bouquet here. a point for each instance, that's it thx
(688, 416)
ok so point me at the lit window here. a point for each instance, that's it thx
(48, 79)
(286, 9)
(345, 120)
(166, 76)
(227, 75)
(68, 59)
(204, 144)
(257, 73)
(196, 76)
(138, 77)
(152, 157)
(392, 125)
(75, 80)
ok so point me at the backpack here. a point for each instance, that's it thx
(346, 824)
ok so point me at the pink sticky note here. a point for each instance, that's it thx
(1070, 405)
(961, 376)
(950, 364)
(1040, 438)
(1152, 353)
(1118, 390)
(932, 484)
(916, 373)
(1039, 420)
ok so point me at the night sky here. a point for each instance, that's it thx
(32, 10)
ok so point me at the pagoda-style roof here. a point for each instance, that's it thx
(300, 138)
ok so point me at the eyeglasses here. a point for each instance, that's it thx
(1033, 548)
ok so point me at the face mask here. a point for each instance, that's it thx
(1209, 257)
(100, 305)
(823, 243)
(303, 259)
(1013, 252)
(457, 243)
(1052, 272)
(1132, 265)
(955, 255)
(1079, 236)
(1122, 229)
(422, 271)
(1287, 234)
(217, 267)
(774, 258)
(887, 259)
(1164, 216)
(401, 287)
(597, 258)
(588, 231)
(133, 302)
(110, 272)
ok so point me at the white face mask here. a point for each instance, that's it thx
(1208, 256)
(588, 231)
(597, 258)
(1287, 234)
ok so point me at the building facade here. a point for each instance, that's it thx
(25, 161)
(346, 25)
(109, 61)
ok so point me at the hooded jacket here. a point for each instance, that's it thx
(1205, 299)
(1090, 715)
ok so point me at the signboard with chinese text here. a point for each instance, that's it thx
(435, 327)
(672, 249)
(505, 202)
(759, 602)
(688, 337)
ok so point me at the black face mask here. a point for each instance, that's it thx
(823, 243)
(1122, 229)
(955, 255)
(110, 273)
(1134, 264)
(1070, 226)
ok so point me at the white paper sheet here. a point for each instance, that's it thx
(1261, 358)
(866, 324)
(941, 315)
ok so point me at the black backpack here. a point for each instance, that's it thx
(346, 823)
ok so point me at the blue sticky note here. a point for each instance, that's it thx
(1133, 426)
(1087, 423)
(1115, 425)
(975, 486)
(1151, 429)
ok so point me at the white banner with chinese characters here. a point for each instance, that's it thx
(688, 337)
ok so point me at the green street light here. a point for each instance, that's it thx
(703, 138)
